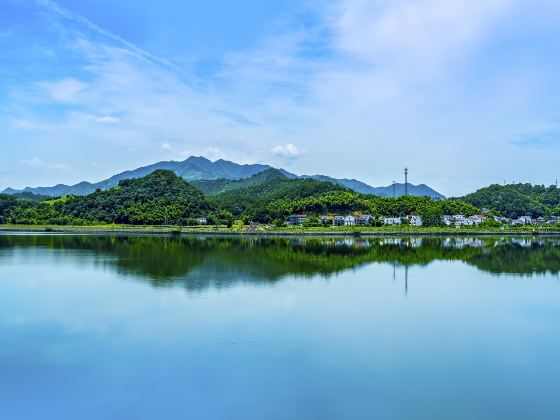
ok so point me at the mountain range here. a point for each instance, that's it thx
(199, 168)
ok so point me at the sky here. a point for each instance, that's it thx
(464, 93)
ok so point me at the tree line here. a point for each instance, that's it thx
(163, 198)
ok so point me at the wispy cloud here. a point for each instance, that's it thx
(67, 14)
(66, 90)
(23, 124)
(237, 118)
(37, 163)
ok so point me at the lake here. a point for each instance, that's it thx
(139, 327)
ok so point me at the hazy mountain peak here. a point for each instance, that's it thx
(196, 168)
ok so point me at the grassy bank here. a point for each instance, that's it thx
(289, 230)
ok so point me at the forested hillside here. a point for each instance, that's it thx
(159, 198)
(270, 196)
(217, 186)
(163, 198)
(349, 202)
(516, 200)
(252, 198)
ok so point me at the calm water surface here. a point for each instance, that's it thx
(107, 327)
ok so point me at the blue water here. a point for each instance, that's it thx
(157, 328)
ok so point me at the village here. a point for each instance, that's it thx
(456, 221)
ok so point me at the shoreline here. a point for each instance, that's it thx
(154, 230)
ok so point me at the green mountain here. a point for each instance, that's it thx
(250, 197)
(159, 198)
(516, 200)
(217, 186)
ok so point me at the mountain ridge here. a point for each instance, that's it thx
(196, 168)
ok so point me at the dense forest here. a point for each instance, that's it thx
(157, 199)
(163, 198)
(516, 200)
(271, 196)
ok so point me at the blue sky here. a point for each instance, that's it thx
(464, 93)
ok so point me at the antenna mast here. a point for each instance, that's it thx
(405, 181)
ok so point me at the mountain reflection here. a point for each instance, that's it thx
(201, 262)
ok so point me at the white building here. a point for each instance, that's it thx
(202, 221)
(460, 220)
(416, 220)
(521, 221)
(297, 219)
(525, 219)
(391, 221)
(349, 221)
(477, 219)
(364, 220)
(338, 221)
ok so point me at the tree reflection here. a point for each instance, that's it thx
(201, 262)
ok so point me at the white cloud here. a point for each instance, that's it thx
(32, 163)
(166, 147)
(65, 90)
(107, 119)
(23, 124)
(287, 150)
(413, 30)
(37, 163)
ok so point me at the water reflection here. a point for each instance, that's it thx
(83, 335)
(201, 262)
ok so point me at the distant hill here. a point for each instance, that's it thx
(270, 177)
(191, 169)
(30, 196)
(516, 200)
(421, 190)
(200, 168)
